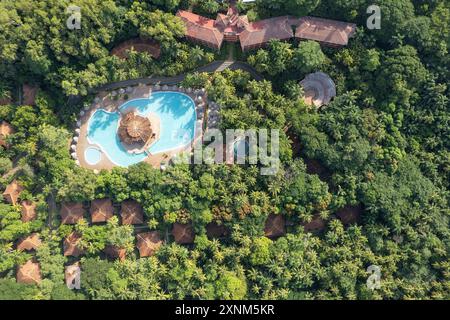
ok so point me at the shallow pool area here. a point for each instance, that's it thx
(177, 120)
(92, 155)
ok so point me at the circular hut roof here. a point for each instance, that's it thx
(319, 88)
(134, 129)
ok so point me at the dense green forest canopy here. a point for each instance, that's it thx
(380, 148)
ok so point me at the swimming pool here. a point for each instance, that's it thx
(176, 112)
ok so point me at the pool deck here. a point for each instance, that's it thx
(111, 101)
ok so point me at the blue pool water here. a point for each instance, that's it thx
(92, 155)
(176, 112)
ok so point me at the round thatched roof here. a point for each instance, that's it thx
(134, 129)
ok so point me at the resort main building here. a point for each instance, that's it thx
(232, 27)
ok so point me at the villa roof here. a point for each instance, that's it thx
(214, 230)
(28, 210)
(183, 233)
(70, 245)
(350, 214)
(148, 243)
(138, 45)
(32, 242)
(29, 94)
(275, 226)
(131, 212)
(261, 32)
(316, 224)
(29, 273)
(201, 28)
(12, 192)
(115, 252)
(5, 130)
(71, 212)
(101, 210)
(325, 30)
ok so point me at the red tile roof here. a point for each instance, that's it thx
(214, 230)
(148, 243)
(29, 95)
(29, 273)
(131, 212)
(12, 192)
(101, 210)
(71, 247)
(71, 212)
(325, 30)
(28, 210)
(201, 29)
(183, 233)
(32, 242)
(115, 252)
(252, 35)
(261, 32)
(275, 226)
(5, 130)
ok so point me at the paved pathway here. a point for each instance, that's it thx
(215, 66)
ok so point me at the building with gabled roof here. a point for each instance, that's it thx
(32, 242)
(28, 212)
(71, 245)
(29, 273)
(115, 252)
(259, 33)
(148, 243)
(183, 233)
(201, 29)
(71, 212)
(131, 212)
(232, 27)
(214, 230)
(29, 94)
(328, 32)
(101, 210)
(275, 226)
(13, 192)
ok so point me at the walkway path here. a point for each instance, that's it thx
(215, 66)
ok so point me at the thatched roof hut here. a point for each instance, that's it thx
(71, 212)
(28, 211)
(134, 129)
(319, 89)
(131, 212)
(275, 226)
(32, 242)
(29, 273)
(183, 233)
(12, 192)
(71, 245)
(5, 130)
(148, 243)
(101, 210)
